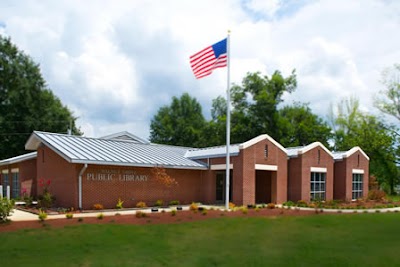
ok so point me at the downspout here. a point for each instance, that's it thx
(80, 185)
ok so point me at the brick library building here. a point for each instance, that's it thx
(85, 171)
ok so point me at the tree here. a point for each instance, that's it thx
(215, 130)
(182, 123)
(26, 104)
(299, 126)
(378, 140)
(255, 104)
(390, 103)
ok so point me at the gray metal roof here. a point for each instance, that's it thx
(294, 151)
(337, 155)
(212, 152)
(77, 149)
(17, 159)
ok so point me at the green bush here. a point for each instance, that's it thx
(100, 216)
(173, 212)
(69, 215)
(174, 202)
(289, 203)
(119, 204)
(302, 203)
(6, 207)
(159, 203)
(42, 215)
(140, 214)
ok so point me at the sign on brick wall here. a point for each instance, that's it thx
(108, 175)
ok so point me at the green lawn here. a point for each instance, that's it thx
(320, 240)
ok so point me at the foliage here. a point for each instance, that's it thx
(42, 215)
(270, 206)
(354, 128)
(141, 204)
(244, 210)
(98, 206)
(231, 205)
(182, 123)
(255, 105)
(302, 203)
(389, 101)
(159, 203)
(45, 200)
(174, 202)
(100, 216)
(298, 126)
(204, 212)
(6, 208)
(376, 194)
(69, 215)
(173, 212)
(193, 207)
(26, 103)
(289, 203)
(119, 204)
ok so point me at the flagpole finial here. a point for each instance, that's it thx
(229, 31)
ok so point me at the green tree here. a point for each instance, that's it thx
(389, 101)
(378, 140)
(26, 103)
(299, 126)
(215, 130)
(182, 123)
(255, 105)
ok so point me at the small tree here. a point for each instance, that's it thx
(6, 207)
(162, 178)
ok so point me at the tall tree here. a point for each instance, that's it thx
(182, 123)
(378, 140)
(389, 101)
(26, 103)
(299, 126)
(255, 104)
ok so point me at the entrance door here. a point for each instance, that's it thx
(220, 186)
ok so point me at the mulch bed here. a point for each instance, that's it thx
(152, 218)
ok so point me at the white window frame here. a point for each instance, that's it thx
(357, 185)
(318, 186)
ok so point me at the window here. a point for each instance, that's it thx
(317, 191)
(357, 188)
(15, 185)
(266, 151)
(6, 183)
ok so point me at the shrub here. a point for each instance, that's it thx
(69, 215)
(301, 203)
(98, 207)
(6, 207)
(119, 204)
(231, 205)
(140, 214)
(270, 206)
(173, 212)
(244, 210)
(80, 219)
(204, 212)
(141, 204)
(42, 215)
(174, 202)
(159, 203)
(288, 203)
(257, 209)
(100, 216)
(376, 194)
(194, 207)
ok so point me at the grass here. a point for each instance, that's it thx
(394, 198)
(320, 240)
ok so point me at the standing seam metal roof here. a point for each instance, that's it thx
(77, 149)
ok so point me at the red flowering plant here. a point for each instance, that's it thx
(25, 197)
(162, 178)
(45, 200)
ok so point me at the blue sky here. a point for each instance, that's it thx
(115, 63)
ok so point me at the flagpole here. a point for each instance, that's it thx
(228, 121)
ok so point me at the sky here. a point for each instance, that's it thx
(115, 63)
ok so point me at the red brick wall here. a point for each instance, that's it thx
(27, 175)
(341, 177)
(303, 165)
(107, 192)
(62, 174)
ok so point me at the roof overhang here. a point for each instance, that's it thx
(259, 138)
(311, 146)
(352, 151)
(18, 159)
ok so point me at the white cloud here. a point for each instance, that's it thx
(115, 63)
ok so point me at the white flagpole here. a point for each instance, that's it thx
(228, 122)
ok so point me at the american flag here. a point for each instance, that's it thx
(208, 59)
